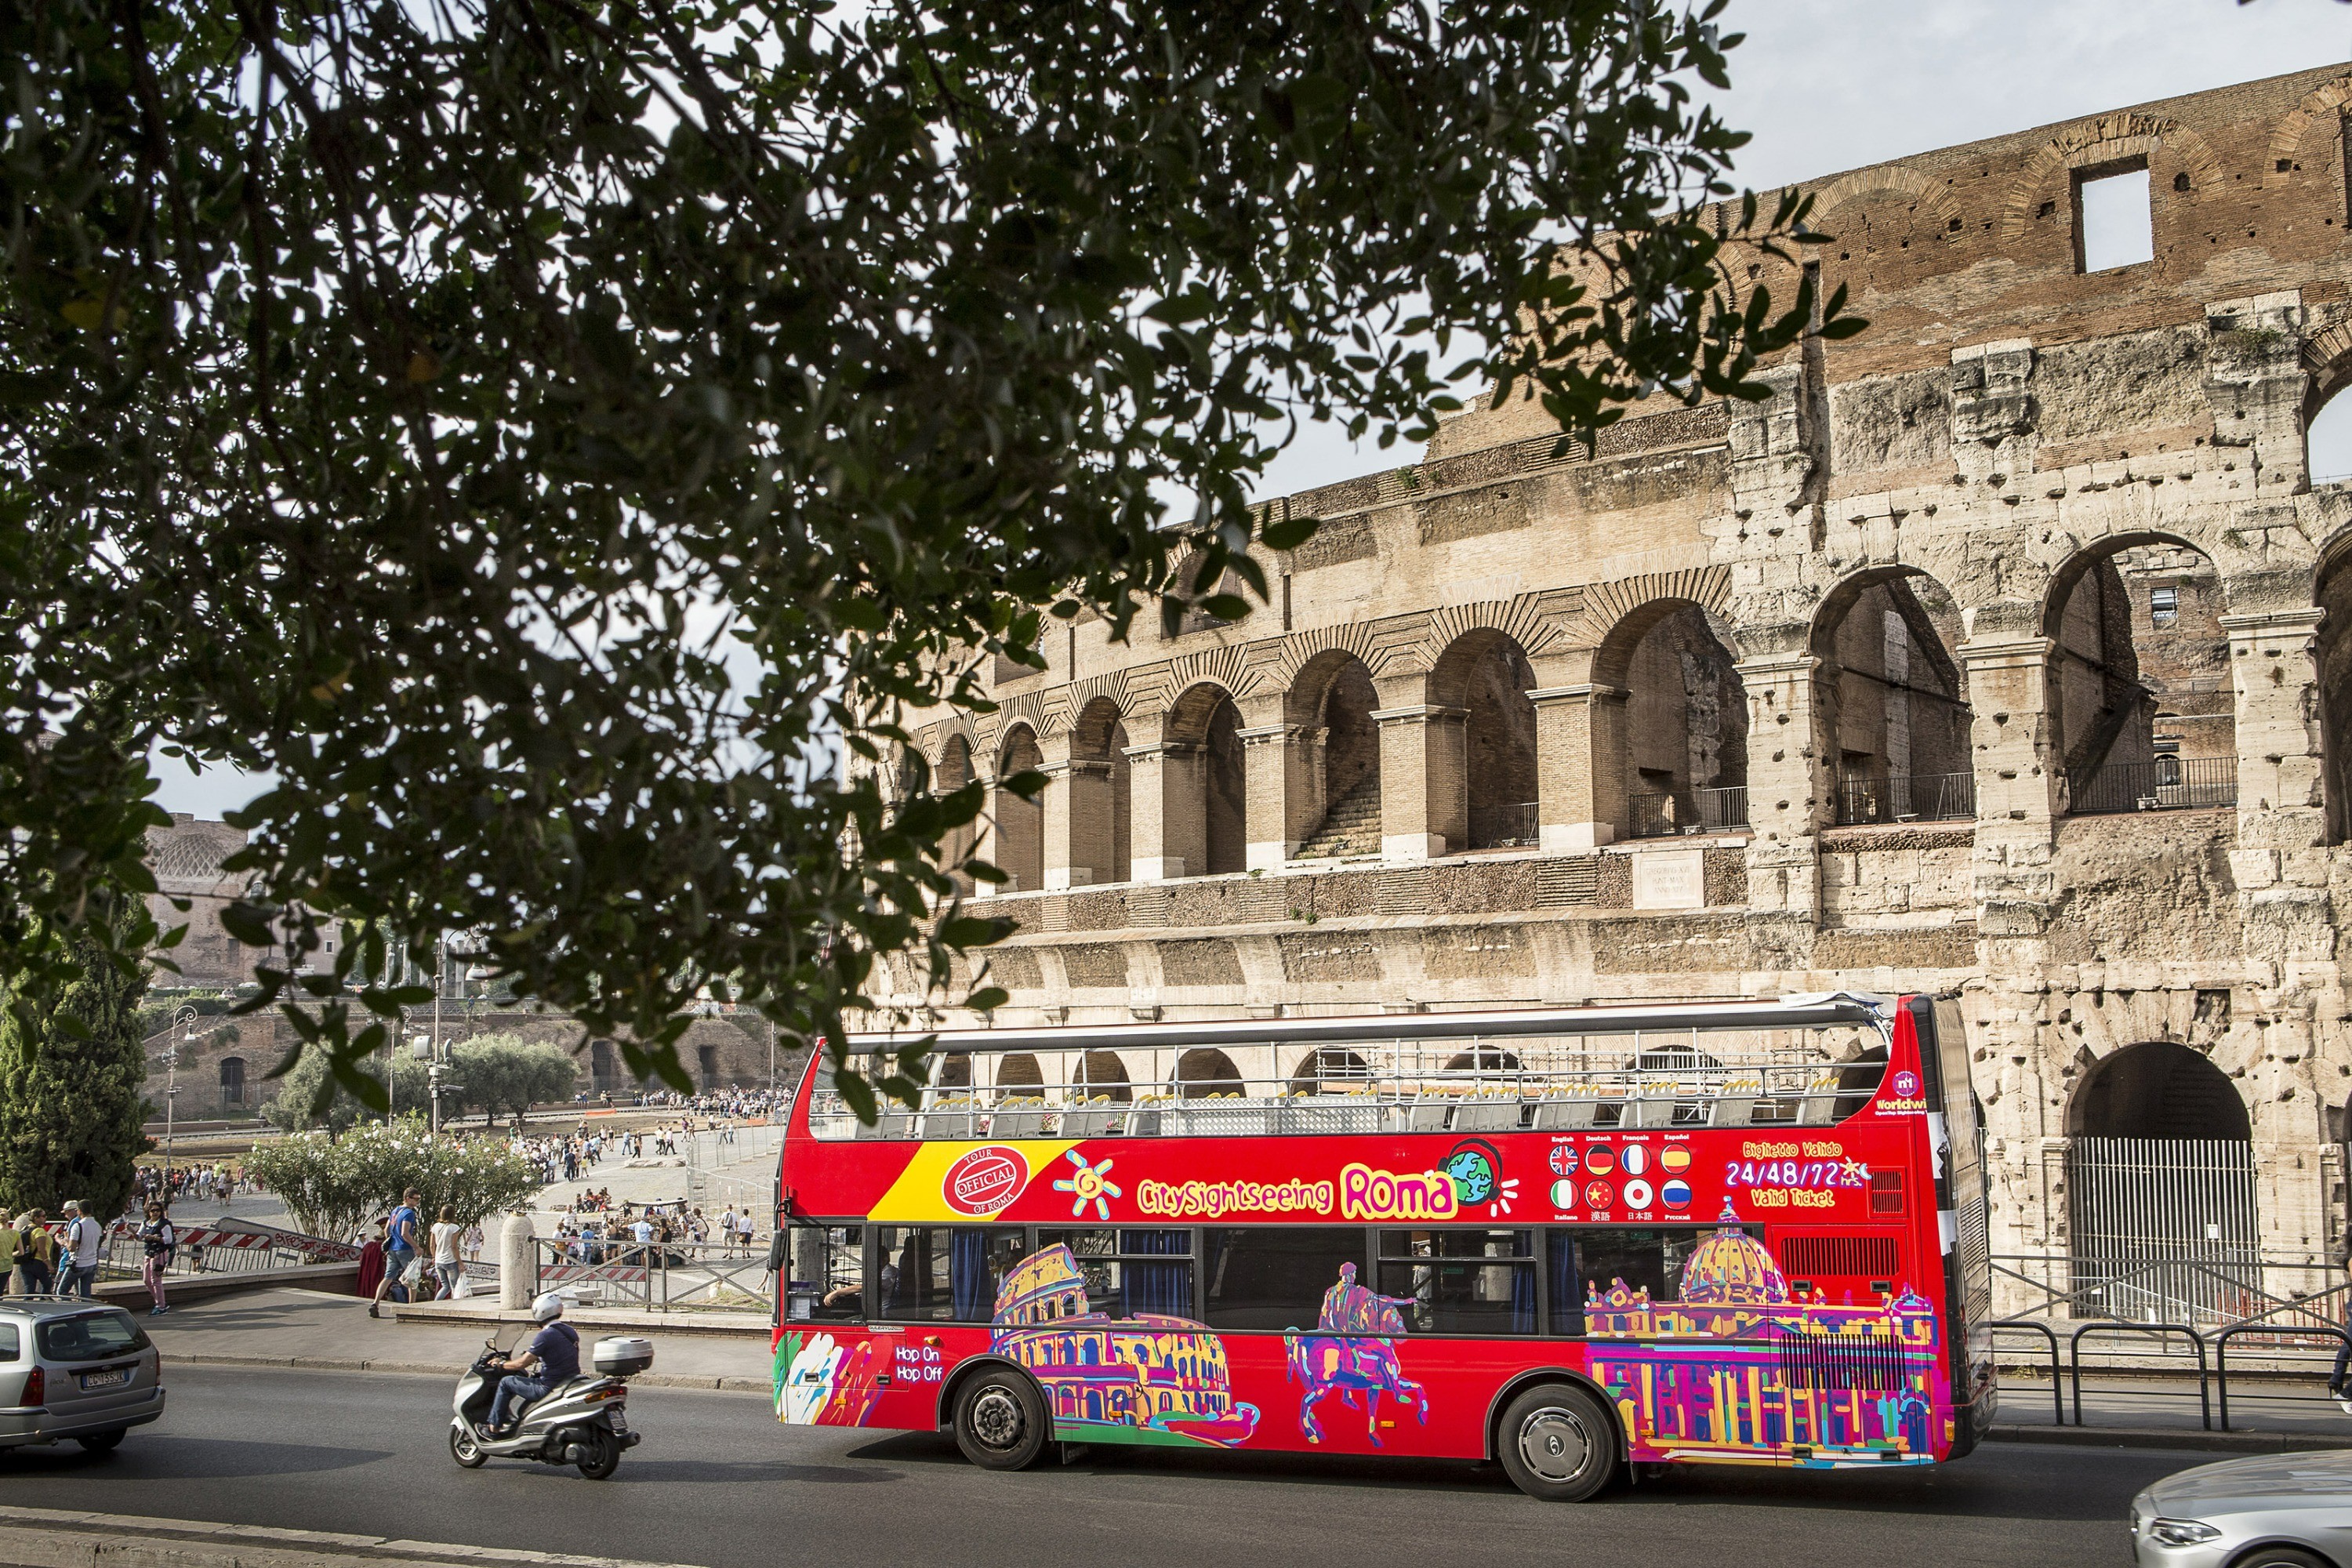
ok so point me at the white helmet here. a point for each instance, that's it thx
(547, 1308)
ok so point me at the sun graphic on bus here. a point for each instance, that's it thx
(1089, 1184)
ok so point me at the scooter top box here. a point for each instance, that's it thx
(622, 1355)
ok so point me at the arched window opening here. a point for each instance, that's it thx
(1102, 1076)
(1204, 1072)
(2144, 714)
(1329, 1067)
(1017, 1075)
(2334, 660)
(1020, 850)
(1101, 797)
(706, 1064)
(232, 1080)
(954, 772)
(602, 1078)
(1337, 699)
(951, 1071)
(1486, 677)
(1686, 729)
(2327, 433)
(2160, 1188)
(1485, 1059)
(1896, 703)
(1203, 812)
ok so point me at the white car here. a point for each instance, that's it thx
(2276, 1511)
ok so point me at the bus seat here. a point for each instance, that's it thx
(1430, 1117)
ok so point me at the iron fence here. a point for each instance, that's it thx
(2168, 784)
(1509, 826)
(2205, 1292)
(1688, 811)
(657, 1276)
(1907, 797)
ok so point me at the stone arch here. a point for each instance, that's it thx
(2333, 656)
(2326, 415)
(1893, 700)
(2323, 106)
(1479, 684)
(2161, 1187)
(1020, 850)
(950, 771)
(2143, 711)
(1332, 700)
(232, 1081)
(1887, 187)
(1327, 1064)
(2171, 150)
(1678, 750)
(1205, 1070)
(1485, 1059)
(1204, 822)
(1018, 1073)
(1101, 796)
(1102, 1076)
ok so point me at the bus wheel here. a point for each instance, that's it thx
(1000, 1423)
(1558, 1444)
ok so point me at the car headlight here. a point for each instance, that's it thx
(2182, 1532)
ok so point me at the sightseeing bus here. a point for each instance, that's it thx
(1570, 1240)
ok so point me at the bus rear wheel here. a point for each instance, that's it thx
(1000, 1422)
(1558, 1444)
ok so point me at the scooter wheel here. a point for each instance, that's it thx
(465, 1449)
(600, 1455)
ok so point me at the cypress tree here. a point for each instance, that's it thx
(70, 1101)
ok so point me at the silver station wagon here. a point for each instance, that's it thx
(73, 1369)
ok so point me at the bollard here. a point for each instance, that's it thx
(518, 1263)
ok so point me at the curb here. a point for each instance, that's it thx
(2190, 1439)
(68, 1538)
(444, 1369)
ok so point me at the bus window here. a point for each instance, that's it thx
(1643, 1258)
(1130, 1272)
(828, 1272)
(1277, 1279)
(1461, 1281)
(1566, 1307)
(941, 1274)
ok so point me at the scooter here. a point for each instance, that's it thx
(584, 1421)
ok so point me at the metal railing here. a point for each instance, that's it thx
(1688, 811)
(1907, 797)
(1510, 826)
(2161, 1333)
(656, 1277)
(2207, 1293)
(2168, 784)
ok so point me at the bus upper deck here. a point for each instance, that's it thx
(1805, 1061)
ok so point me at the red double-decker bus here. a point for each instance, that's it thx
(1569, 1240)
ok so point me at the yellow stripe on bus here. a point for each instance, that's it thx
(920, 1194)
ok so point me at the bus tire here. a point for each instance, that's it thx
(1556, 1443)
(1000, 1422)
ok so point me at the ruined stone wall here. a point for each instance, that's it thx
(1935, 546)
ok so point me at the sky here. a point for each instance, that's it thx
(1830, 85)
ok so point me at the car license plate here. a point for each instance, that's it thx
(115, 1378)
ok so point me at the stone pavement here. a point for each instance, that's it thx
(307, 1328)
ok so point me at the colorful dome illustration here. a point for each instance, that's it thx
(1732, 1268)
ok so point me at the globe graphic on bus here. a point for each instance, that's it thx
(1472, 1171)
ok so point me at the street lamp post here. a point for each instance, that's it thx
(181, 1021)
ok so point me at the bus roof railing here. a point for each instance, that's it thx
(1830, 1008)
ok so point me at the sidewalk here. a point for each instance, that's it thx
(307, 1328)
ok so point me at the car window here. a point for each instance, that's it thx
(88, 1336)
(11, 1347)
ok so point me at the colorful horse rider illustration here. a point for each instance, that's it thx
(1345, 1355)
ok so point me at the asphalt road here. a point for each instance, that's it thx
(718, 1482)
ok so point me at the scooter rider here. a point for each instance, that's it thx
(552, 1359)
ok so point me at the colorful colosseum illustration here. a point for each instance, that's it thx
(1148, 1378)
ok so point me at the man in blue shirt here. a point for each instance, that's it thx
(401, 1241)
(552, 1361)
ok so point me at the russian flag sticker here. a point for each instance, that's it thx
(1676, 1194)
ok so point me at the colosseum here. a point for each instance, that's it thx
(2003, 651)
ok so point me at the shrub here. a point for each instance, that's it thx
(331, 1186)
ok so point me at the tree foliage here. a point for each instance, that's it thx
(506, 1073)
(425, 403)
(72, 1073)
(491, 1073)
(332, 1186)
